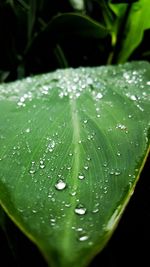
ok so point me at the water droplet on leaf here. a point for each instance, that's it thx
(80, 209)
(60, 185)
(81, 176)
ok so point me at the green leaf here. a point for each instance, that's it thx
(69, 24)
(73, 143)
(137, 22)
(115, 25)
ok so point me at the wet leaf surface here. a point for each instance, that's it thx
(73, 143)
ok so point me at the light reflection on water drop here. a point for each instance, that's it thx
(60, 185)
(81, 176)
(83, 238)
(80, 209)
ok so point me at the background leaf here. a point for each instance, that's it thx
(137, 22)
(78, 25)
(73, 145)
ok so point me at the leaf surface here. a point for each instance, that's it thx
(73, 143)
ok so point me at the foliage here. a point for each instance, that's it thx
(41, 35)
(73, 144)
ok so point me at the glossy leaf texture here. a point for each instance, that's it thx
(73, 143)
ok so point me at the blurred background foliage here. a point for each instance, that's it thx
(42, 35)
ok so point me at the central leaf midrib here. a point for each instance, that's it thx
(75, 172)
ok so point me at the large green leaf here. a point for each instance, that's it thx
(73, 143)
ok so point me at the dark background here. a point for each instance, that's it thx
(31, 44)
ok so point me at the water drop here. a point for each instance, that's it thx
(67, 205)
(34, 211)
(80, 209)
(69, 168)
(42, 166)
(79, 229)
(95, 210)
(27, 130)
(99, 96)
(133, 97)
(86, 167)
(73, 193)
(121, 126)
(81, 176)
(83, 237)
(53, 220)
(32, 169)
(98, 115)
(60, 185)
(117, 173)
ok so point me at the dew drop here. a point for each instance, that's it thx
(117, 173)
(99, 96)
(83, 237)
(42, 166)
(27, 130)
(32, 171)
(81, 176)
(53, 220)
(60, 185)
(73, 193)
(34, 211)
(85, 121)
(68, 205)
(95, 210)
(79, 229)
(80, 209)
(86, 167)
(121, 126)
(69, 168)
(133, 97)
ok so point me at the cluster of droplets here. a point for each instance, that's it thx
(122, 127)
(73, 82)
(24, 98)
